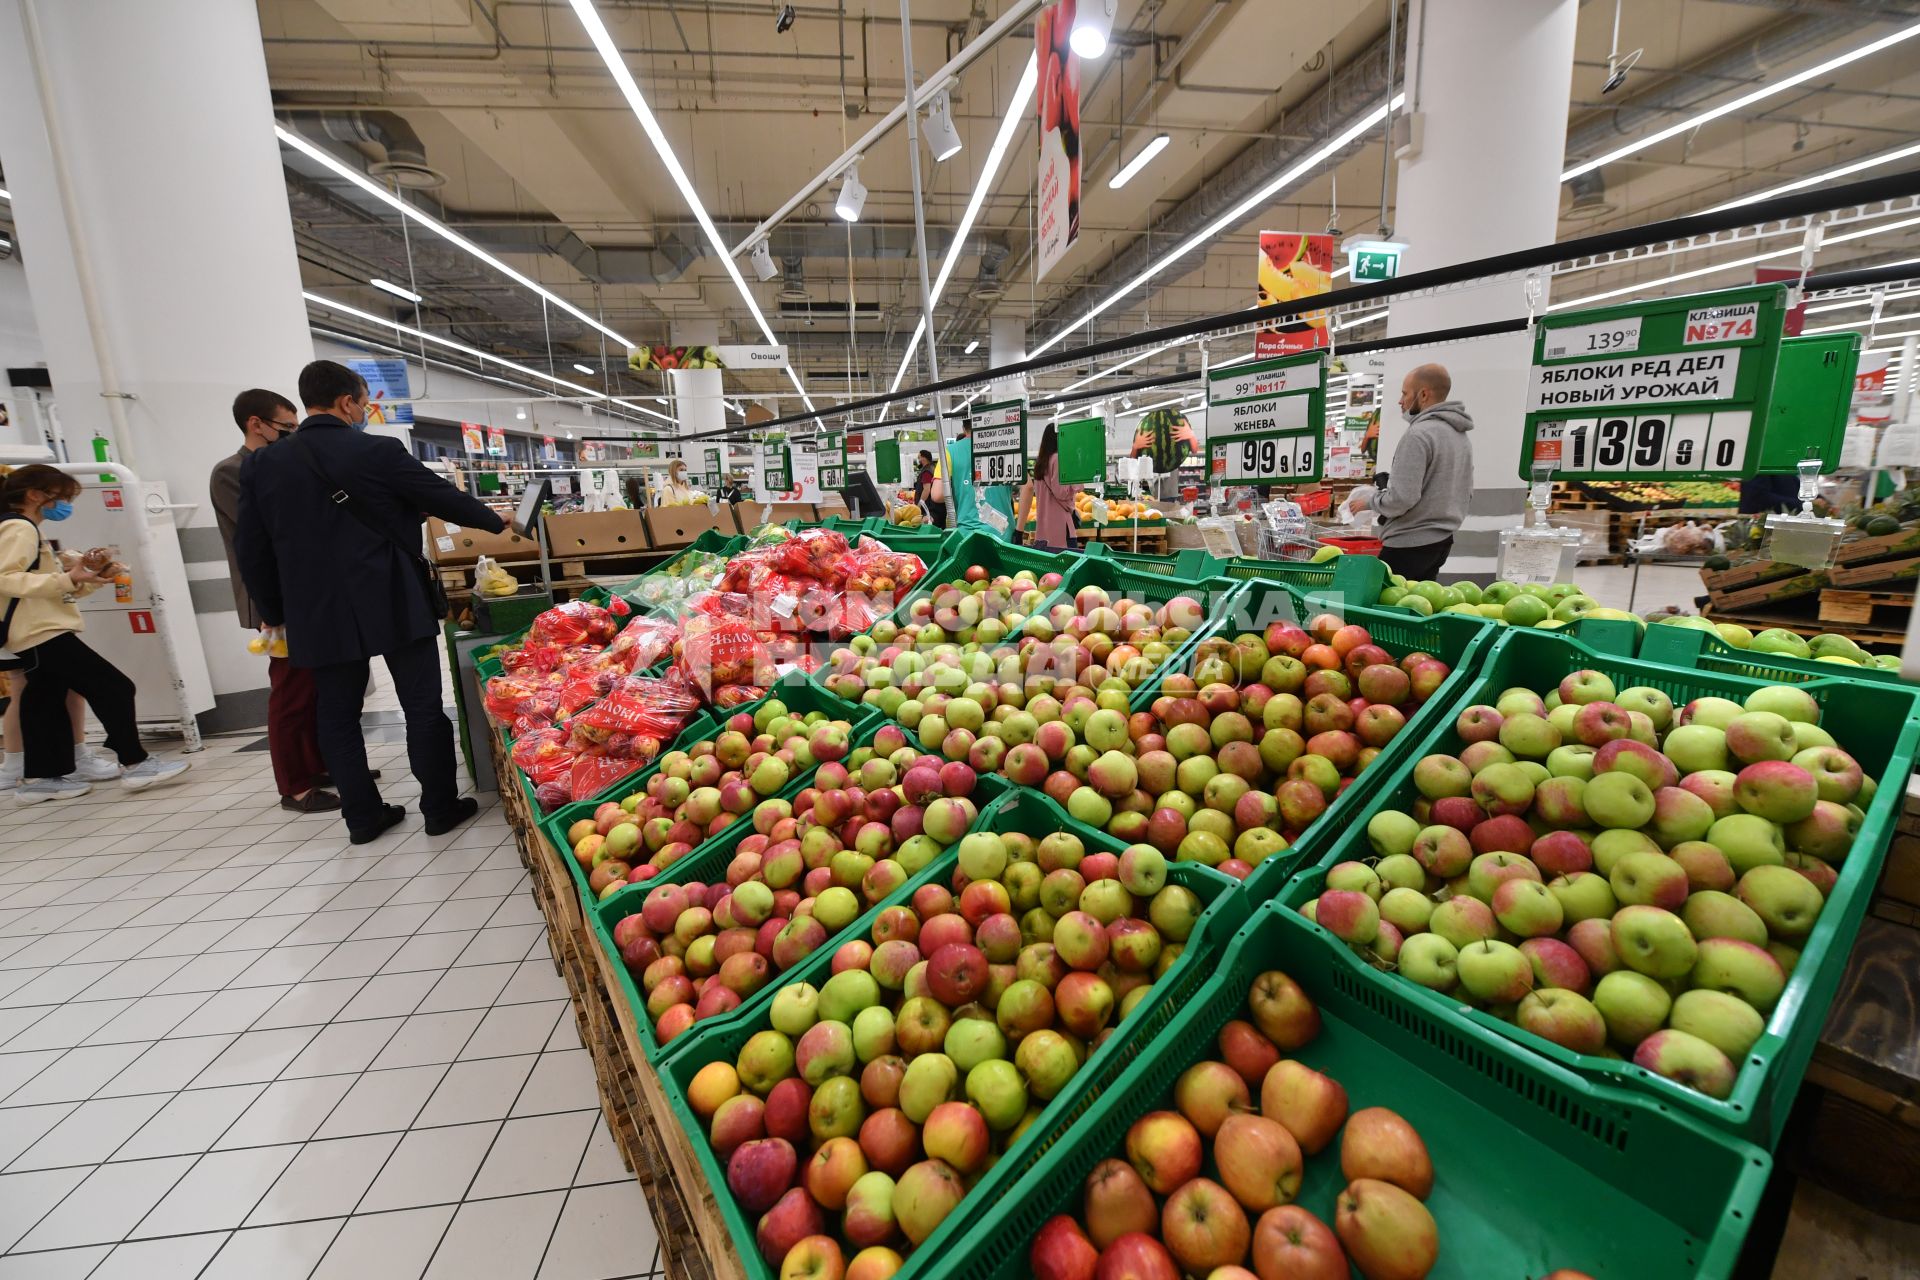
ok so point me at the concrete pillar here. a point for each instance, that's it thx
(697, 393)
(164, 130)
(1486, 179)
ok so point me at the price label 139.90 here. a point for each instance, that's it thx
(1626, 443)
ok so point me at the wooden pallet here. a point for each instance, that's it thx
(1151, 540)
(1857, 608)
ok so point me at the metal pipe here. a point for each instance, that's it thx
(1796, 205)
(1016, 10)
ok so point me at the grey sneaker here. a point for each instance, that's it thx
(44, 789)
(152, 773)
(12, 773)
(92, 767)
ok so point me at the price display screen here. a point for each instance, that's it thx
(999, 443)
(1266, 422)
(1677, 388)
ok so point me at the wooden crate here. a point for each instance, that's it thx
(1885, 609)
(1876, 573)
(1748, 573)
(1886, 547)
(1769, 594)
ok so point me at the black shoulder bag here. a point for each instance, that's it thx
(436, 594)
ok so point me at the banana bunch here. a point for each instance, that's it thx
(489, 579)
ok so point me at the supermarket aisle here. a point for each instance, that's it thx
(232, 1045)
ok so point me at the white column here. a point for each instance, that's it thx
(1490, 79)
(697, 404)
(161, 136)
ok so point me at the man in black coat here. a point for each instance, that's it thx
(329, 545)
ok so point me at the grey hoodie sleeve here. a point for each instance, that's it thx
(1406, 478)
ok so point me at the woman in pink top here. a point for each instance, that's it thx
(1053, 501)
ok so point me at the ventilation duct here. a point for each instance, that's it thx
(1590, 201)
(406, 156)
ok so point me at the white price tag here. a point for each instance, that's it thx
(1856, 449)
(445, 544)
(1900, 445)
(999, 468)
(1264, 458)
(1530, 560)
(1614, 338)
(449, 526)
(1627, 443)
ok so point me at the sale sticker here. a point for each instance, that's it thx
(1734, 322)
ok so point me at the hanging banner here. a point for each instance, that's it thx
(496, 442)
(386, 383)
(1870, 377)
(1166, 438)
(1293, 264)
(549, 449)
(473, 437)
(1059, 99)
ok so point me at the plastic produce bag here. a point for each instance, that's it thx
(639, 705)
(573, 623)
(643, 643)
(813, 553)
(716, 653)
(489, 579)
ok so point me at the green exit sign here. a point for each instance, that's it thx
(1375, 264)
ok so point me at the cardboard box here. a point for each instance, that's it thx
(457, 544)
(596, 533)
(677, 526)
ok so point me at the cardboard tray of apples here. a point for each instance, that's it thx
(1291, 1122)
(879, 1105)
(1683, 914)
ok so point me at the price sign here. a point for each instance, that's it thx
(833, 462)
(776, 475)
(1677, 388)
(1266, 422)
(1263, 459)
(1618, 337)
(999, 442)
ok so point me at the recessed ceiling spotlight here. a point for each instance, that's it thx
(853, 195)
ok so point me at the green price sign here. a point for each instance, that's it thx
(833, 462)
(999, 442)
(1266, 422)
(776, 473)
(1677, 388)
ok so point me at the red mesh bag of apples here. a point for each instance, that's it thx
(718, 653)
(575, 622)
(642, 705)
(813, 553)
(643, 642)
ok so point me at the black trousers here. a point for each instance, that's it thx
(55, 666)
(416, 679)
(1418, 562)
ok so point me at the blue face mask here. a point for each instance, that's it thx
(57, 510)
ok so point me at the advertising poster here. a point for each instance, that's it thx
(1870, 378)
(473, 437)
(496, 442)
(549, 449)
(1294, 264)
(1167, 438)
(1059, 98)
(386, 383)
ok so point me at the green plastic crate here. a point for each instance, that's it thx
(1356, 578)
(710, 542)
(1174, 990)
(1535, 1167)
(798, 694)
(1694, 648)
(1456, 640)
(1877, 724)
(1190, 564)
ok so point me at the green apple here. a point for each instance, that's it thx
(1726, 1022)
(1633, 1005)
(1653, 941)
(1742, 969)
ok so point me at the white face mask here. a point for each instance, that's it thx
(1409, 415)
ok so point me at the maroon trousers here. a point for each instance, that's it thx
(293, 738)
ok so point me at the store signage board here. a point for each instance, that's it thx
(999, 442)
(752, 357)
(775, 473)
(833, 462)
(1266, 421)
(1081, 445)
(1676, 388)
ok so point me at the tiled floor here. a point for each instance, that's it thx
(233, 1045)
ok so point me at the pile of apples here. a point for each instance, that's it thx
(1610, 874)
(809, 868)
(700, 791)
(1251, 1117)
(859, 1118)
(1229, 765)
(957, 648)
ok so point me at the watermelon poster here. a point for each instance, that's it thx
(1292, 265)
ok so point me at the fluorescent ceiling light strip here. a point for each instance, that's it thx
(1814, 179)
(5, 194)
(439, 228)
(989, 171)
(1231, 218)
(617, 68)
(1748, 261)
(1768, 90)
(1356, 321)
(328, 304)
(1144, 157)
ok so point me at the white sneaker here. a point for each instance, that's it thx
(92, 767)
(152, 773)
(12, 773)
(42, 789)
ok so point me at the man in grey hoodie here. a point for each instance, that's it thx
(1430, 483)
